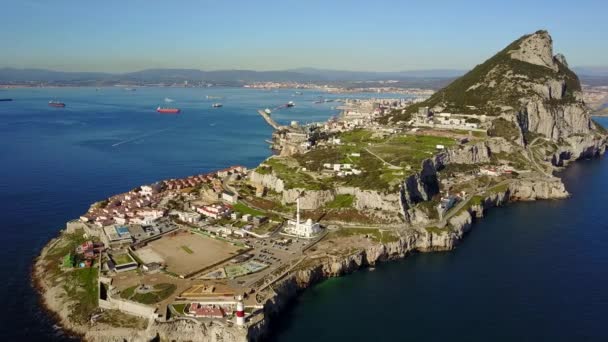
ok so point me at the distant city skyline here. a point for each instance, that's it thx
(117, 36)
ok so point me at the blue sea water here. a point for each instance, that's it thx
(529, 271)
(55, 162)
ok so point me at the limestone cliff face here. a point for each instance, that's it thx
(529, 190)
(423, 185)
(268, 180)
(555, 121)
(469, 154)
(536, 49)
(578, 147)
(410, 241)
(309, 199)
(190, 330)
(370, 199)
(551, 101)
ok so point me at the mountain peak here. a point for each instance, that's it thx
(523, 82)
(536, 48)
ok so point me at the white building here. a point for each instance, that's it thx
(230, 196)
(489, 172)
(306, 229)
(214, 211)
(188, 217)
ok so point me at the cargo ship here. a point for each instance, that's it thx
(56, 104)
(168, 110)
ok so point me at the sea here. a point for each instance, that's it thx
(528, 271)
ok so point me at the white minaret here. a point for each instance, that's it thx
(298, 212)
(240, 312)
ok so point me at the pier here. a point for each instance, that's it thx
(269, 120)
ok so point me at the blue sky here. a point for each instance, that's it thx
(381, 35)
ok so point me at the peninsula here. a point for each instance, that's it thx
(212, 257)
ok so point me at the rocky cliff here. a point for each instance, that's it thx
(411, 241)
(524, 81)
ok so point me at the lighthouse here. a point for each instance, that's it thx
(240, 312)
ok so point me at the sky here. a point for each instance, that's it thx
(380, 35)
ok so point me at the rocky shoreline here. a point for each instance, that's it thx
(289, 287)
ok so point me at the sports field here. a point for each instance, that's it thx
(185, 252)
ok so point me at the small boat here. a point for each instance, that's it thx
(267, 111)
(209, 97)
(130, 89)
(298, 93)
(5, 100)
(216, 105)
(168, 110)
(290, 104)
(168, 100)
(56, 104)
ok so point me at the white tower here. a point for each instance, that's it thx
(240, 312)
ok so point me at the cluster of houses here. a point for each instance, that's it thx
(134, 207)
(210, 178)
(342, 170)
(426, 118)
(139, 206)
(215, 211)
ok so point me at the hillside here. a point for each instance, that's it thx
(524, 82)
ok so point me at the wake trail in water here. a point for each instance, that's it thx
(149, 134)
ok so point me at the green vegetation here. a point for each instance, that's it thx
(341, 201)
(179, 308)
(159, 293)
(292, 176)
(81, 287)
(530, 136)
(383, 236)
(121, 259)
(516, 160)
(499, 188)
(476, 200)
(128, 292)
(430, 208)
(55, 257)
(265, 228)
(503, 128)
(263, 170)
(244, 209)
(436, 230)
(453, 168)
(118, 319)
(384, 162)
